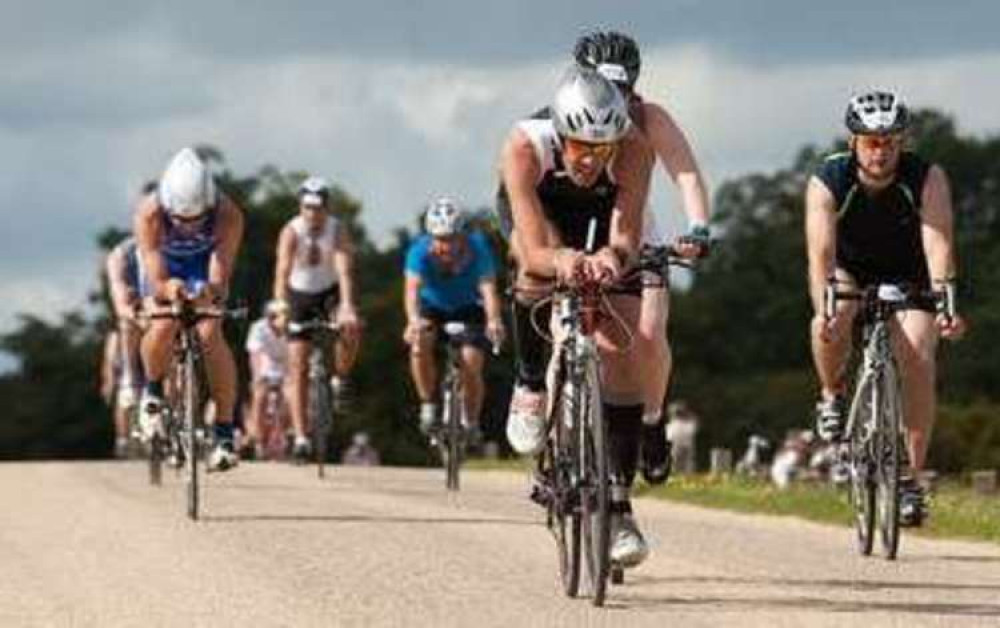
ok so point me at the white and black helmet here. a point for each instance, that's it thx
(876, 112)
(314, 191)
(186, 189)
(588, 107)
(444, 218)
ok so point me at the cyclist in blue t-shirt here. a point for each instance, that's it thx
(450, 277)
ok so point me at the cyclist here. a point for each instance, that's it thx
(450, 277)
(880, 214)
(574, 162)
(314, 275)
(616, 56)
(122, 360)
(188, 234)
(267, 346)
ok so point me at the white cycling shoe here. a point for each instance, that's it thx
(628, 548)
(222, 457)
(150, 417)
(526, 421)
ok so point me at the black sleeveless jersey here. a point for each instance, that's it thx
(878, 233)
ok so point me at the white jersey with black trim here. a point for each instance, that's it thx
(312, 267)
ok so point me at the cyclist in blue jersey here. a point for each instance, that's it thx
(188, 234)
(450, 276)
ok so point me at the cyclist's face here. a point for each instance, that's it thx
(313, 214)
(278, 321)
(446, 249)
(878, 155)
(586, 160)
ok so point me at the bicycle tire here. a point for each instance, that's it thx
(862, 488)
(156, 449)
(191, 399)
(595, 495)
(320, 420)
(888, 445)
(452, 446)
(565, 519)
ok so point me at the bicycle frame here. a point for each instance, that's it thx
(320, 405)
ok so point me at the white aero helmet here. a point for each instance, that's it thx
(186, 189)
(875, 113)
(588, 107)
(314, 191)
(444, 218)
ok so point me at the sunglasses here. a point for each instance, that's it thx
(598, 150)
(876, 142)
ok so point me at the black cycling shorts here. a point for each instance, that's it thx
(472, 315)
(307, 306)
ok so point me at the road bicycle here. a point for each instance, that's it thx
(323, 399)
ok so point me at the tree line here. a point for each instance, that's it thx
(739, 331)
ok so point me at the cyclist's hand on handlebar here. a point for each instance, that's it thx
(414, 328)
(695, 243)
(172, 291)
(951, 327)
(347, 318)
(495, 333)
(568, 264)
(603, 266)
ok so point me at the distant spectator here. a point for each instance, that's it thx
(361, 452)
(682, 431)
(752, 463)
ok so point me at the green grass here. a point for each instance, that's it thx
(956, 511)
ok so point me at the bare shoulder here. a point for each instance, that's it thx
(519, 154)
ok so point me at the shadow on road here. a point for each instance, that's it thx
(252, 518)
(819, 604)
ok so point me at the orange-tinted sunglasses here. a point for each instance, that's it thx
(598, 150)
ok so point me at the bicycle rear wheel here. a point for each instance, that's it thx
(592, 456)
(887, 447)
(862, 466)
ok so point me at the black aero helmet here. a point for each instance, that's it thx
(876, 112)
(613, 54)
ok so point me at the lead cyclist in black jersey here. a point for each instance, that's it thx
(560, 170)
(616, 57)
(880, 214)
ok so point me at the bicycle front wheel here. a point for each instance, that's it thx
(594, 482)
(191, 399)
(451, 448)
(320, 419)
(862, 465)
(560, 472)
(887, 445)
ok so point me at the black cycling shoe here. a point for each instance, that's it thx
(912, 503)
(655, 458)
(830, 419)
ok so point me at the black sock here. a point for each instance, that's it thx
(155, 387)
(531, 349)
(624, 428)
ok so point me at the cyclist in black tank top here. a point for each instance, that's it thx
(878, 214)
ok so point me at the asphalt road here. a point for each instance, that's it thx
(91, 544)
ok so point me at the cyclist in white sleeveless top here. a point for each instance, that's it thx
(314, 276)
(267, 347)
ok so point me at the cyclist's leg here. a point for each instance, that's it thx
(220, 367)
(298, 384)
(258, 401)
(423, 367)
(526, 418)
(830, 357)
(473, 358)
(654, 350)
(915, 339)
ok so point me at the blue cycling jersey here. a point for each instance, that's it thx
(449, 290)
(187, 249)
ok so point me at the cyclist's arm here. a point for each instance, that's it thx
(121, 295)
(287, 243)
(674, 151)
(936, 225)
(411, 297)
(227, 246)
(631, 168)
(491, 299)
(821, 238)
(148, 234)
(520, 170)
(343, 262)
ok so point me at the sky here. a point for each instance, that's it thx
(400, 101)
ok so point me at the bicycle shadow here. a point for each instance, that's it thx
(375, 519)
(793, 602)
